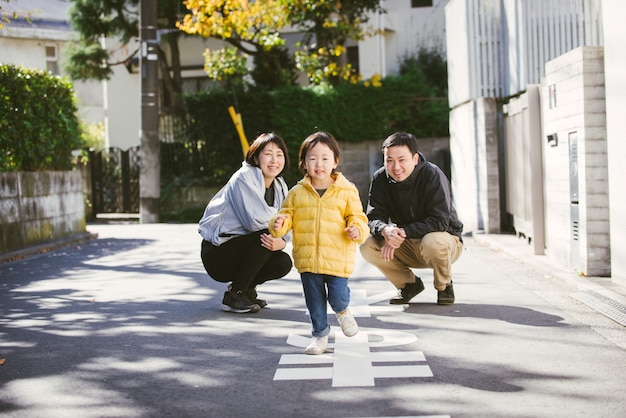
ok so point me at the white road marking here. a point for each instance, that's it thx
(351, 364)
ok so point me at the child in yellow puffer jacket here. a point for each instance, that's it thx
(328, 222)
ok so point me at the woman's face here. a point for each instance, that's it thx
(271, 161)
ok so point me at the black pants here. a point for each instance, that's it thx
(243, 261)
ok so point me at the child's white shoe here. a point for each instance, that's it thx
(318, 345)
(347, 323)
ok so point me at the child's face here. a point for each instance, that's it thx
(320, 163)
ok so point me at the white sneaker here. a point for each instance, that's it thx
(347, 323)
(318, 345)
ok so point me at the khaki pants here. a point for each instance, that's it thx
(437, 250)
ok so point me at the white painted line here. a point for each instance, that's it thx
(352, 362)
(402, 371)
(306, 359)
(389, 356)
(311, 373)
(352, 366)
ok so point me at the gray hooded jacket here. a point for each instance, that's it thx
(239, 208)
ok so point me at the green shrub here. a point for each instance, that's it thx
(209, 150)
(38, 123)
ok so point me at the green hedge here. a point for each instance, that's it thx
(39, 127)
(352, 113)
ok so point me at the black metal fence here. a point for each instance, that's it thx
(114, 180)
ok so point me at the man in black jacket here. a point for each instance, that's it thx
(412, 221)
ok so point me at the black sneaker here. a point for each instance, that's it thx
(409, 291)
(238, 302)
(446, 296)
(252, 297)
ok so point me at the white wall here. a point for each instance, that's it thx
(474, 156)
(406, 30)
(615, 79)
(123, 118)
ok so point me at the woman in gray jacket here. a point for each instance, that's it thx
(236, 245)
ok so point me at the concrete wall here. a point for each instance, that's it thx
(39, 207)
(573, 108)
(358, 163)
(614, 67)
(360, 160)
(475, 174)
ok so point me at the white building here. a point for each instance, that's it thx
(39, 43)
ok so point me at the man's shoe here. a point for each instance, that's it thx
(318, 345)
(347, 323)
(253, 297)
(238, 302)
(446, 296)
(409, 291)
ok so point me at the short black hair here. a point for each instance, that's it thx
(399, 139)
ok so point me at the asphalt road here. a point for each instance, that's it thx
(129, 325)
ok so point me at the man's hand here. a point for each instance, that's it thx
(271, 243)
(394, 236)
(387, 252)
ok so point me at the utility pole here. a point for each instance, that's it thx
(150, 169)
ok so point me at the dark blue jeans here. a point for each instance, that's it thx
(317, 299)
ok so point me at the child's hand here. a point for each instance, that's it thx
(279, 221)
(353, 232)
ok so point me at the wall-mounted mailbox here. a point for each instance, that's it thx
(553, 140)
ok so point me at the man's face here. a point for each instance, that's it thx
(399, 162)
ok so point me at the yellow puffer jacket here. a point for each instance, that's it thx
(320, 244)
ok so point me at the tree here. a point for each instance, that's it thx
(7, 16)
(328, 25)
(251, 28)
(94, 20)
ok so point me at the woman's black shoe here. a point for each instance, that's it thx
(252, 297)
(238, 302)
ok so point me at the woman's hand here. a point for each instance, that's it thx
(271, 243)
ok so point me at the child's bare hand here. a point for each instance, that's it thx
(353, 232)
(279, 222)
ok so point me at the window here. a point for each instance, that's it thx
(52, 60)
(353, 57)
(421, 3)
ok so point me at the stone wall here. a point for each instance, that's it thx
(38, 207)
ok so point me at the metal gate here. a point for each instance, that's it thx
(114, 181)
(524, 167)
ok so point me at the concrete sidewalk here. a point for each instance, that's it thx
(599, 293)
(129, 325)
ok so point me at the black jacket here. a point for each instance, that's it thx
(420, 204)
